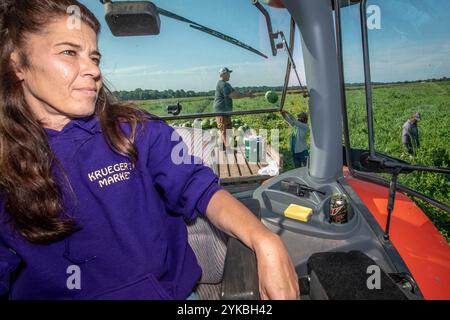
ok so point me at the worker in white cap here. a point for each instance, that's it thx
(223, 101)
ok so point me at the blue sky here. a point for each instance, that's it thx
(413, 43)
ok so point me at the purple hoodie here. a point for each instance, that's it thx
(133, 241)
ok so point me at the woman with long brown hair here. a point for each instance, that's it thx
(92, 204)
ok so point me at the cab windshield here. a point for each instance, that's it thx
(182, 64)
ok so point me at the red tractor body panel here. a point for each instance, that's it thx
(424, 250)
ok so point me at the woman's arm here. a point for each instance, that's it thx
(299, 124)
(277, 276)
(288, 117)
(293, 121)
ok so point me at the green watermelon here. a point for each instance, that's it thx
(205, 124)
(271, 97)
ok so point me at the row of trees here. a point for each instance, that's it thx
(399, 82)
(140, 94)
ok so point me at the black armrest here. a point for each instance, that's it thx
(240, 276)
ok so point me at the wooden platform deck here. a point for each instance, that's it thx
(232, 165)
(235, 172)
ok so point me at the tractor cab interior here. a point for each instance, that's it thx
(335, 241)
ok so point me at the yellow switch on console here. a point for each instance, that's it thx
(297, 212)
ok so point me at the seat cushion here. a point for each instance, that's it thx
(210, 248)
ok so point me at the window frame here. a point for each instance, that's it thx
(353, 156)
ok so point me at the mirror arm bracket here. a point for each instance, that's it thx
(272, 35)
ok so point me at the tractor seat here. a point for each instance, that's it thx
(229, 267)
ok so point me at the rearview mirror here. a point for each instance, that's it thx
(132, 18)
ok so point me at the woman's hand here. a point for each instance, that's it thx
(277, 276)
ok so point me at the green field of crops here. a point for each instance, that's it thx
(392, 105)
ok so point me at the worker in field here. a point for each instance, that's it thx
(299, 147)
(410, 134)
(223, 101)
